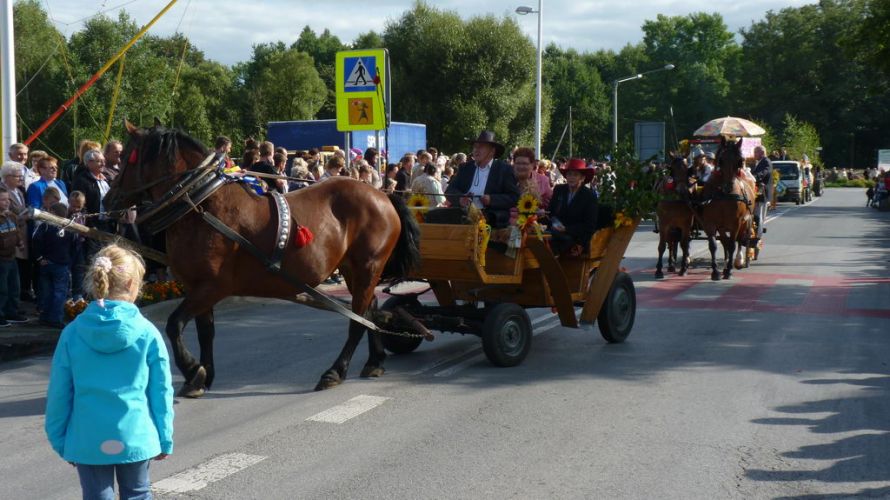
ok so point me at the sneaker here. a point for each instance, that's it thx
(3, 323)
(16, 318)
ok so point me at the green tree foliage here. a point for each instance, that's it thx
(572, 81)
(279, 83)
(460, 77)
(870, 39)
(800, 138)
(40, 76)
(323, 50)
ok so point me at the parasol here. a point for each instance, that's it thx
(729, 126)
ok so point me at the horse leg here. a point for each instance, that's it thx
(684, 245)
(728, 251)
(206, 333)
(672, 253)
(198, 376)
(662, 244)
(376, 352)
(712, 246)
(362, 289)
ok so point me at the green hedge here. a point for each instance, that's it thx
(855, 183)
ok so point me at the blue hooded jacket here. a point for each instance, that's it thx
(110, 396)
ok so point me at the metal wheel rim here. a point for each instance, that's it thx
(621, 307)
(511, 337)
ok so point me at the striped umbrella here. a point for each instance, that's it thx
(729, 126)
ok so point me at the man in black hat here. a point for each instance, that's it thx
(486, 182)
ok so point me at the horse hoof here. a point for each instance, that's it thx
(715, 276)
(726, 276)
(327, 382)
(682, 272)
(195, 387)
(190, 391)
(659, 275)
(373, 371)
(671, 269)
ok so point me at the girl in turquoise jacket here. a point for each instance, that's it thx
(109, 403)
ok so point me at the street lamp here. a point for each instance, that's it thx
(666, 67)
(523, 10)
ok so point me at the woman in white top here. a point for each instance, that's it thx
(426, 183)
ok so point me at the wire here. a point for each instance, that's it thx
(39, 69)
(98, 13)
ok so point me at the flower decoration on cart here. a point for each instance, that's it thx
(419, 205)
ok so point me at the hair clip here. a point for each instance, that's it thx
(103, 263)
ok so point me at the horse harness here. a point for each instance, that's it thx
(198, 185)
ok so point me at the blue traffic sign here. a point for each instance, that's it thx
(359, 73)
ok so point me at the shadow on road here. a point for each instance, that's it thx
(864, 457)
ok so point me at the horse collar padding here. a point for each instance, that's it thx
(284, 229)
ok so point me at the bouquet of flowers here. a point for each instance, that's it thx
(629, 189)
(419, 205)
(159, 291)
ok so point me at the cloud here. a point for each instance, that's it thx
(226, 30)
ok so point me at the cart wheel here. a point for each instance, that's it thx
(506, 335)
(393, 343)
(616, 318)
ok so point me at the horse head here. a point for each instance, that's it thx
(153, 159)
(730, 161)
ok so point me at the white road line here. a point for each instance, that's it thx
(350, 409)
(202, 475)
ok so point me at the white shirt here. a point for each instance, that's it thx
(57, 184)
(480, 179)
(31, 175)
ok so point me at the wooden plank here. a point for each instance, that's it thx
(608, 268)
(556, 279)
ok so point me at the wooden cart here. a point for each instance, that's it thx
(487, 296)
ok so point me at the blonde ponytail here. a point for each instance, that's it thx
(113, 268)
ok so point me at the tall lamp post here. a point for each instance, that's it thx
(666, 67)
(540, 12)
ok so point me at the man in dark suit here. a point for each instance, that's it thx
(763, 172)
(573, 210)
(486, 182)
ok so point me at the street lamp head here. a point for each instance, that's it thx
(523, 10)
(669, 67)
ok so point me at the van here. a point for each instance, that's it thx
(791, 183)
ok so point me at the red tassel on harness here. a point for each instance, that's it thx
(134, 157)
(303, 237)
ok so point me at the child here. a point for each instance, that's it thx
(109, 405)
(10, 241)
(76, 201)
(54, 250)
(50, 197)
(870, 193)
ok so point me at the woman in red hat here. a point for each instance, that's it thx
(573, 210)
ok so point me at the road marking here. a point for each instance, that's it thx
(202, 475)
(479, 357)
(350, 409)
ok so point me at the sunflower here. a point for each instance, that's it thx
(419, 201)
(528, 204)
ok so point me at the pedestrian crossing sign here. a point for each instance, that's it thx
(361, 84)
(359, 74)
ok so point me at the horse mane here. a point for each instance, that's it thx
(161, 144)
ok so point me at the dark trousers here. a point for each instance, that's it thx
(26, 277)
(54, 281)
(9, 287)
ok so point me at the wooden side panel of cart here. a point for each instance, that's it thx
(535, 278)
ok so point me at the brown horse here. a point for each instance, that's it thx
(727, 207)
(356, 228)
(674, 216)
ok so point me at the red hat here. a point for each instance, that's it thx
(578, 165)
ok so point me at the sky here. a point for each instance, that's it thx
(225, 30)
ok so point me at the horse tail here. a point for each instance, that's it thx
(406, 255)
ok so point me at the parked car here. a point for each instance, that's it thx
(792, 186)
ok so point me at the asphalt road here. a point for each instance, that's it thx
(771, 385)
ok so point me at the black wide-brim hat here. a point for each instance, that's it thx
(487, 137)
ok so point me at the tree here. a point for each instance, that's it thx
(40, 75)
(460, 77)
(279, 83)
(868, 40)
(571, 80)
(801, 138)
(323, 50)
(701, 48)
